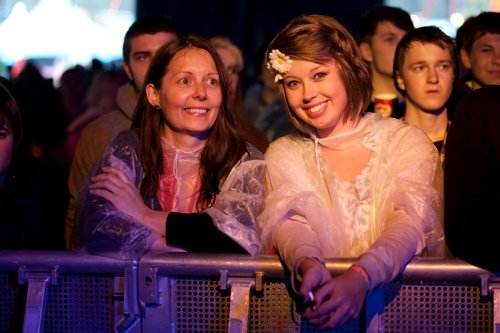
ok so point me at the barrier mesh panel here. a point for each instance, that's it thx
(198, 305)
(12, 303)
(424, 306)
(83, 303)
(78, 303)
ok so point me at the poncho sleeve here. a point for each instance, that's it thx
(240, 201)
(99, 226)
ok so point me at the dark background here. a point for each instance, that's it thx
(250, 23)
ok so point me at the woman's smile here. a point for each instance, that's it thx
(316, 108)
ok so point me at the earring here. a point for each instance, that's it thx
(157, 107)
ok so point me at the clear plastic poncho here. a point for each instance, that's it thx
(346, 219)
(100, 228)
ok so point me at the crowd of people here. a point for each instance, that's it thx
(172, 153)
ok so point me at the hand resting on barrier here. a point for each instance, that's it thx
(336, 300)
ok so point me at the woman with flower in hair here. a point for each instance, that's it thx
(350, 183)
(183, 178)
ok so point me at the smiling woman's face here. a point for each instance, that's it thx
(190, 94)
(316, 94)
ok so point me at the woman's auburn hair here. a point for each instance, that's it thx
(225, 144)
(322, 39)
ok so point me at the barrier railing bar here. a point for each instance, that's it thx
(427, 268)
(210, 264)
(206, 264)
(67, 261)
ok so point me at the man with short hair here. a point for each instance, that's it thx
(425, 70)
(479, 47)
(379, 32)
(144, 37)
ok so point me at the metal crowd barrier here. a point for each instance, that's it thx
(57, 291)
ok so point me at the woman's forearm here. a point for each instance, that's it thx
(155, 220)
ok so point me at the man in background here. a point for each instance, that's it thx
(144, 37)
(479, 47)
(379, 32)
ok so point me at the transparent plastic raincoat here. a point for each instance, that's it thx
(100, 228)
(389, 213)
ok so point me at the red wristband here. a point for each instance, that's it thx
(363, 274)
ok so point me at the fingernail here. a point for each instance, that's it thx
(312, 299)
(311, 296)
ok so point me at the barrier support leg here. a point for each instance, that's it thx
(239, 310)
(496, 309)
(132, 307)
(36, 299)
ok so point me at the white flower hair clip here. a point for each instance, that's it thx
(279, 62)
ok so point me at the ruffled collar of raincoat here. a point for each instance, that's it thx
(342, 140)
